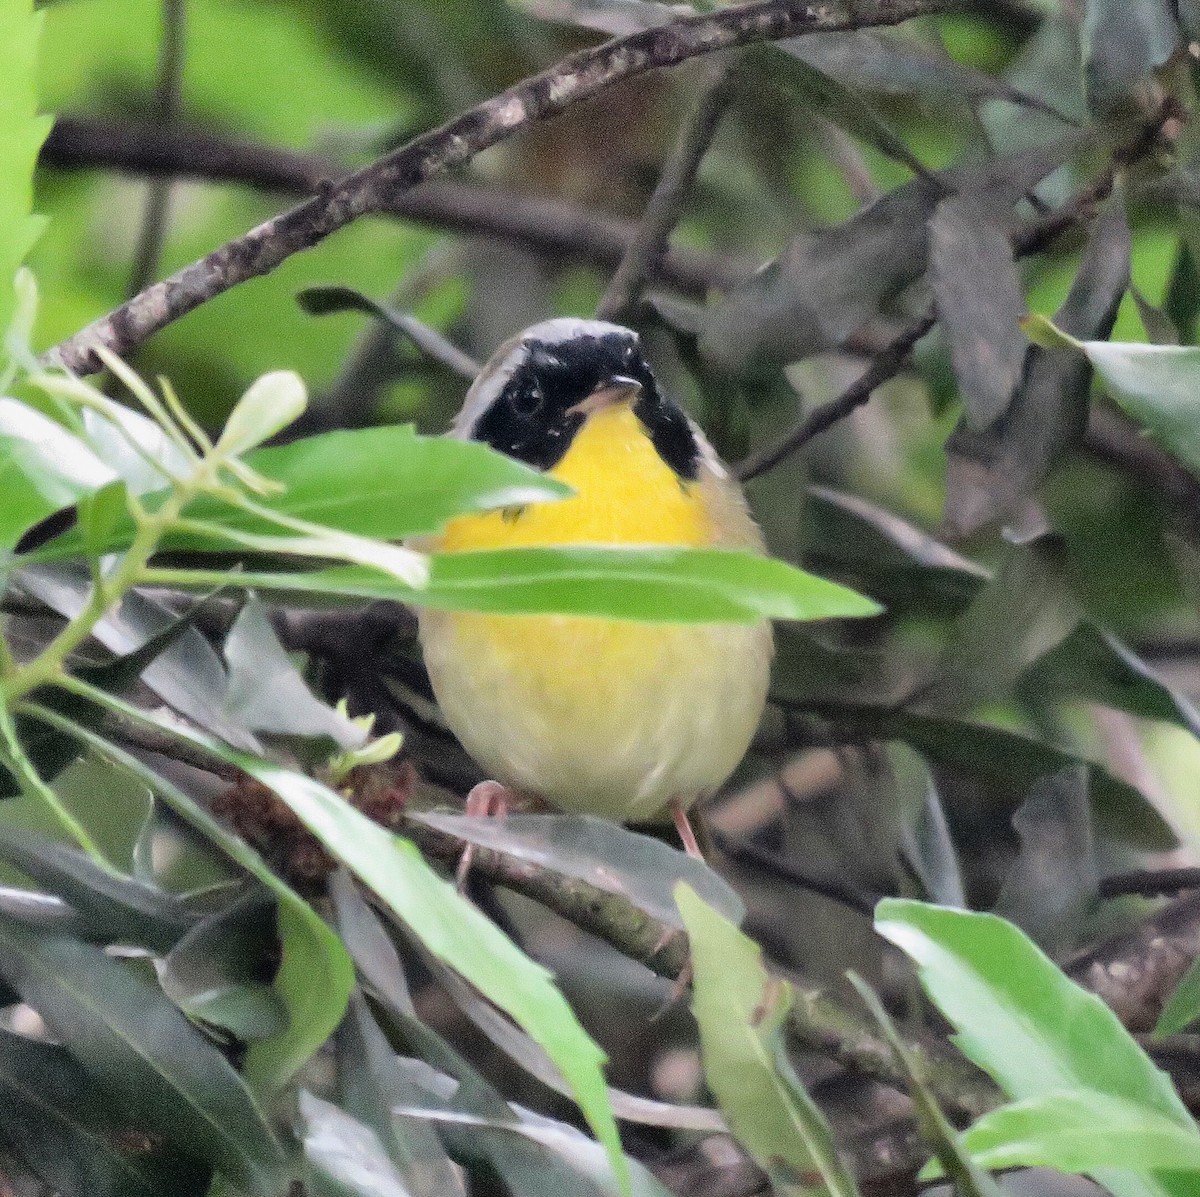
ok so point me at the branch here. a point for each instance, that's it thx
(373, 189)
(540, 223)
(645, 252)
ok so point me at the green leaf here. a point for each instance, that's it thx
(668, 585)
(22, 132)
(449, 926)
(70, 1134)
(167, 1076)
(1032, 1029)
(1159, 386)
(740, 1011)
(386, 482)
(1082, 1131)
(969, 1179)
(214, 974)
(316, 975)
(43, 467)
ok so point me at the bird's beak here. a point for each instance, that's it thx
(618, 389)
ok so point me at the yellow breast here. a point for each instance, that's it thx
(625, 494)
(604, 716)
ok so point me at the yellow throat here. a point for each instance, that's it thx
(625, 494)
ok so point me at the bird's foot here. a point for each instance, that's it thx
(683, 825)
(488, 799)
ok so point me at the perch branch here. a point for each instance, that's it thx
(373, 188)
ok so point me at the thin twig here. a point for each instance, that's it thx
(646, 251)
(168, 92)
(373, 188)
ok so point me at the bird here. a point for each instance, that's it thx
(630, 721)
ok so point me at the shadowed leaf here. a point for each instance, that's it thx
(991, 472)
(144, 1053)
(979, 304)
(70, 1133)
(1122, 45)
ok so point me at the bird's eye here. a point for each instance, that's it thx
(527, 400)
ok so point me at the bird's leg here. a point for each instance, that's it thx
(682, 825)
(488, 799)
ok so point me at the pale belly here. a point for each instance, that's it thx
(610, 717)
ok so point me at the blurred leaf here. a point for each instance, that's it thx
(893, 559)
(265, 690)
(740, 1011)
(99, 514)
(979, 304)
(1093, 665)
(187, 674)
(1009, 762)
(22, 132)
(969, 1178)
(1052, 884)
(43, 467)
(820, 92)
(1159, 328)
(315, 977)
(1019, 614)
(219, 973)
(166, 1076)
(874, 61)
(991, 472)
(345, 1158)
(1034, 1031)
(70, 1133)
(823, 287)
(675, 585)
(600, 852)
(114, 907)
(1123, 43)
(1159, 386)
(1083, 1131)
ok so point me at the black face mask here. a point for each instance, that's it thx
(531, 418)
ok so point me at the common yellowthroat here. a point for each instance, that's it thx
(611, 717)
